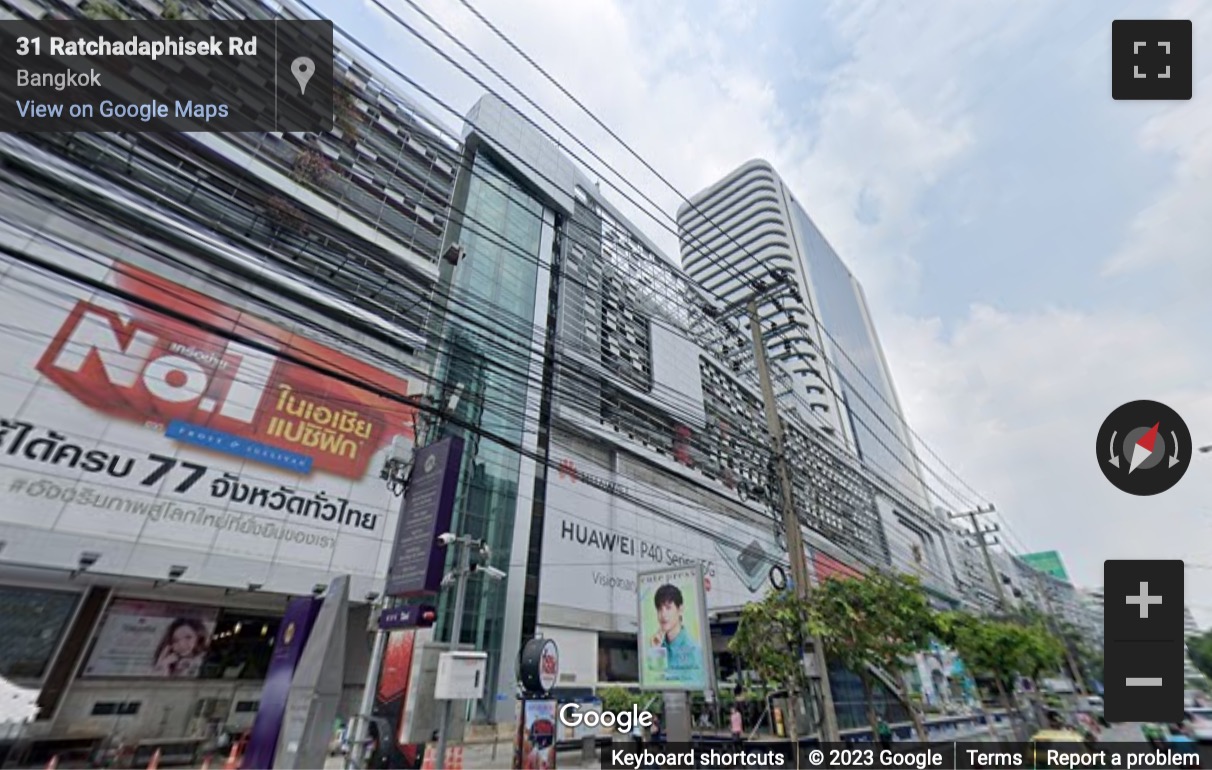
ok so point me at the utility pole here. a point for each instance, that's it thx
(791, 521)
(462, 572)
(980, 533)
(353, 759)
(465, 544)
(1049, 613)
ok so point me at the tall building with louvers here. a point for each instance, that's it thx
(832, 366)
(643, 445)
(160, 253)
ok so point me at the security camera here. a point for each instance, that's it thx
(446, 538)
(493, 573)
(88, 559)
(370, 597)
(254, 587)
(175, 572)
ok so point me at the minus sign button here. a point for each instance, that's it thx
(1144, 681)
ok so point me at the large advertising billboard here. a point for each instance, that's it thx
(675, 645)
(600, 531)
(152, 639)
(130, 431)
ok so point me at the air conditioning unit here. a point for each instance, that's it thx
(454, 254)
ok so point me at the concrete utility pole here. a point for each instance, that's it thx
(980, 533)
(1051, 616)
(819, 670)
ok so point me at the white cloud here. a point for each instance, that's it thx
(1014, 401)
(1011, 400)
(1174, 230)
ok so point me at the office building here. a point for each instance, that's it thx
(191, 319)
(563, 313)
(833, 371)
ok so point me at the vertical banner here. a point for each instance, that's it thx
(537, 734)
(674, 640)
(288, 648)
(417, 563)
(395, 695)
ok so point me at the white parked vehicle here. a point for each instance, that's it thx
(1197, 723)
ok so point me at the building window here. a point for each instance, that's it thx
(31, 624)
(116, 708)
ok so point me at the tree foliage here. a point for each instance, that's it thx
(769, 638)
(999, 648)
(102, 10)
(1200, 650)
(879, 620)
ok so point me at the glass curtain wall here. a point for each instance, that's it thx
(487, 338)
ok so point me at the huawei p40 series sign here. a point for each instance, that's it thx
(175, 420)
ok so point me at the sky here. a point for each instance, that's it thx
(1034, 253)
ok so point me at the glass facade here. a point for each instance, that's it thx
(31, 624)
(851, 705)
(882, 442)
(489, 326)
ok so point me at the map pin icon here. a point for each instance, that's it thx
(303, 68)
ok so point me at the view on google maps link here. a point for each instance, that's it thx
(605, 384)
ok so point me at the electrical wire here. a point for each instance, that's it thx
(654, 493)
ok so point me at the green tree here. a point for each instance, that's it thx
(102, 10)
(617, 699)
(769, 641)
(875, 622)
(1001, 650)
(1200, 650)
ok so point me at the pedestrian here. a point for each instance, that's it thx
(737, 723)
(885, 733)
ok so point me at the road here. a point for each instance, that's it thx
(1129, 732)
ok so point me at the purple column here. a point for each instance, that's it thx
(288, 647)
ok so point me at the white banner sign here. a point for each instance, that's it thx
(149, 434)
(596, 539)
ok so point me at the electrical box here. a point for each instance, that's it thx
(461, 675)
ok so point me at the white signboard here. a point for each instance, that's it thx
(152, 639)
(596, 540)
(461, 676)
(148, 433)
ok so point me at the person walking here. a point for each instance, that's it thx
(884, 732)
(737, 723)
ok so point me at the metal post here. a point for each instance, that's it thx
(354, 759)
(791, 522)
(980, 539)
(456, 629)
(1050, 614)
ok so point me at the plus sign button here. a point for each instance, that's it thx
(1143, 600)
(1151, 59)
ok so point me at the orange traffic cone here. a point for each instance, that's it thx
(428, 763)
(206, 762)
(54, 763)
(233, 759)
(155, 761)
(454, 758)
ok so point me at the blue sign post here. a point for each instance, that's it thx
(416, 561)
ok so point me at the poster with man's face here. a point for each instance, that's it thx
(674, 637)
